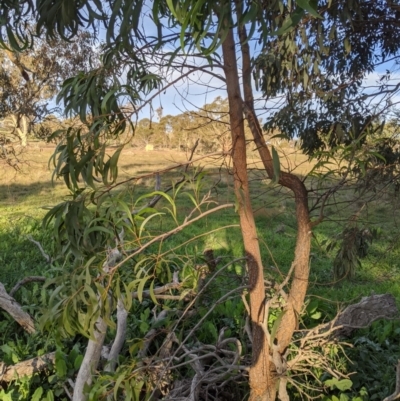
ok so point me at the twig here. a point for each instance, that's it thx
(30, 279)
(159, 290)
(11, 306)
(26, 368)
(119, 340)
(164, 236)
(39, 245)
(150, 334)
(396, 394)
(67, 392)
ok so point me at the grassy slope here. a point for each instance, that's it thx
(24, 194)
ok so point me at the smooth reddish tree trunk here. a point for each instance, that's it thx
(262, 384)
(300, 266)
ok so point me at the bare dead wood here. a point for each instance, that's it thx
(95, 346)
(90, 361)
(214, 367)
(13, 308)
(119, 340)
(396, 394)
(159, 290)
(39, 245)
(26, 280)
(26, 368)
(365, 312)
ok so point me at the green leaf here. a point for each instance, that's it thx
(137, 389)
(146, 220)
(276, 164)
(78, 362)
(312, 306)
(250, 14)
(152, 294)
(50, 395)
(290, 22)
(343, 385)
(316, 315)
(61, 367)
(37, 395)
(121, 377)
(275, 327)
(140, 289)
(347, 45)
(305, 5)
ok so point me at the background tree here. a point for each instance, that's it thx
(206, 36)
(31, 79)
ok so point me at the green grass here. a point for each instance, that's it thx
(24, 196)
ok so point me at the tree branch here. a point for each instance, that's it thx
(12, 307)
(29, 279)
(26, 368)
(39, 245)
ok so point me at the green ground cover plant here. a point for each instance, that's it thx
(377, 273)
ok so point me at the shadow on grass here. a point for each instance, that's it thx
(16, 192)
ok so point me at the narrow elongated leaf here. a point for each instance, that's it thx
(152, 294)
(276, 165)
(275, 327)
(290, 22)
(305, 5)
(141, 285)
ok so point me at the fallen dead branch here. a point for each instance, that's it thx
(311, 343)
(365, 312)
(26, 368)
(396, 394)
(13, 308)
(39, 245)
(26, 280)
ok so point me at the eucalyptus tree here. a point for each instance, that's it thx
(312, 51)
(31, 79)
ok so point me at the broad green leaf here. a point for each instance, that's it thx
(50, 395)
(37, 395)
(78, 362)
(343, 385)
(60, 365)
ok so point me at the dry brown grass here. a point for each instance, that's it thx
(32, 188)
